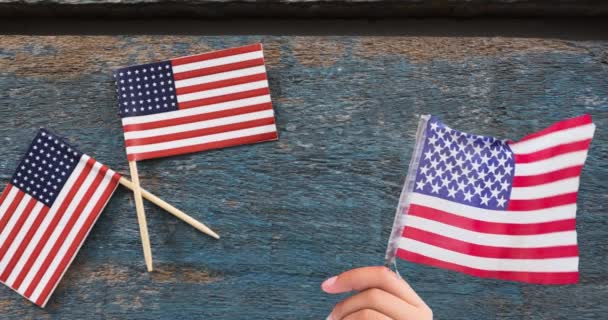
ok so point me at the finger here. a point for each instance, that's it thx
(372, 277)
(366, 314)
(379, 301)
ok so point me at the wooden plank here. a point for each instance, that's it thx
(223, 9)
(322, 198)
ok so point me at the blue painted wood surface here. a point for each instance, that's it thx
(322, 198)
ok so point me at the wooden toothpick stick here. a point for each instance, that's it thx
(141, 216)
(171, 209)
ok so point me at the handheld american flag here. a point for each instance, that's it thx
(493, 208)
(207, 101)
(46, 212)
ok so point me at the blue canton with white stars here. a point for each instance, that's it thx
(465, 168)
(46, 166)
(145, 89)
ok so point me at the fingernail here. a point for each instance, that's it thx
(328, 283)
(328, 317)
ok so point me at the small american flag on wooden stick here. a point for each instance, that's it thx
(493, 208)
(207, 101)
(201, 102)
(46, 212)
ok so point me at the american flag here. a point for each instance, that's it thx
(207, 101)
(46, 212)
(494, 208)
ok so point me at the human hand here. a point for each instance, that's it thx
(382, 295)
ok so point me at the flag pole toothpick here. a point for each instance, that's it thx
(171, 209)
(141, 216)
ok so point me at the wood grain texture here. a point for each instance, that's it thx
(322, 198)
(222, 9)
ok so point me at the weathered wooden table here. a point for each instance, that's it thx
(322, 198)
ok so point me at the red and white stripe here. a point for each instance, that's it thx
(37, 242)
(534, 240)
(223, 100)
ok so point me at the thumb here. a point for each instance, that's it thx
(331, 285)
(357, 279)
(380, 277)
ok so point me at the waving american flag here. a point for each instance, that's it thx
(494, 208)
(207, 101)
(46, 211)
